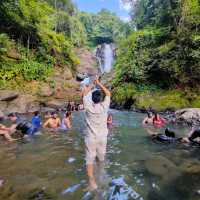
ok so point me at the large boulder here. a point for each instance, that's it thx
(8, 95)
(1, 114)
(23, 104)
(191, 166)
(87, 62)
(161, 166)
(45, 91)
(55, 104)
(188, 115)
(67, 74)
(3, 105)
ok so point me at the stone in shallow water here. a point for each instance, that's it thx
(191, 166)
(162, 167)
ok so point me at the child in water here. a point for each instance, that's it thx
(110, 121)
(66, 123)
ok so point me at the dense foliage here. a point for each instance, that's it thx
(104, 27)
(37, 35)
(165, 49)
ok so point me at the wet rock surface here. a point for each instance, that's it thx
(55, 104)
(87, 64)
(23, 104)
(45, 91)
(188, 116)
(8, 95)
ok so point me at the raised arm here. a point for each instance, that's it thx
(104, 89)
(86, 90)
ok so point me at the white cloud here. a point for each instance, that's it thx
(124, 5)
(125, 19)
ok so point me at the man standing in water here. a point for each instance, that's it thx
(97, 131)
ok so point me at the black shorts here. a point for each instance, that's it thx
(194, 135)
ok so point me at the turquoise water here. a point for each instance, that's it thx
(45, 166)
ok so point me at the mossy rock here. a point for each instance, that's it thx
(196, 102)
(162, 100)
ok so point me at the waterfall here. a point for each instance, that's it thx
(105, 57)
(108, 58)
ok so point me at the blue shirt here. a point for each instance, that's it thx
(36, 121)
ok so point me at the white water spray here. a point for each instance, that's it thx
(108, 58)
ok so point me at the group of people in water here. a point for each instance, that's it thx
(52, 122)
(169, 136)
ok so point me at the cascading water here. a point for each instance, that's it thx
(108, 58)
(105, 57)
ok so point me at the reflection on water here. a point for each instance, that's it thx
(52, 166)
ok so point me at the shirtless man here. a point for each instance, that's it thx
(53, 122)
(6, 132)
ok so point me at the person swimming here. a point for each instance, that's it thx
(193, 137)
(53, 123)
(168, 137)
(36, 120)
(66, 123)
(149, 119)
(158, 121)
(23, 125)
(6, 133)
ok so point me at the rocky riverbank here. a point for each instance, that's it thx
(61, 87)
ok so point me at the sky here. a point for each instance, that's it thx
(116, 6)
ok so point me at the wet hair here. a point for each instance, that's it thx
(47, 112)
(155, 116)
(36, 113)
(96, 96)
(1, 118)
(53, 113)
(68, 114)
(169, 133)
(109, 115)
(149, 114)
(12, 115)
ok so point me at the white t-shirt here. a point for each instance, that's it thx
(96, 117)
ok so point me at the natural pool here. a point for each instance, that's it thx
(43, 167)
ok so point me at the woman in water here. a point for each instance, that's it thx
(158, 121)
(109, 121)
(66, 123)
(148, 120)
